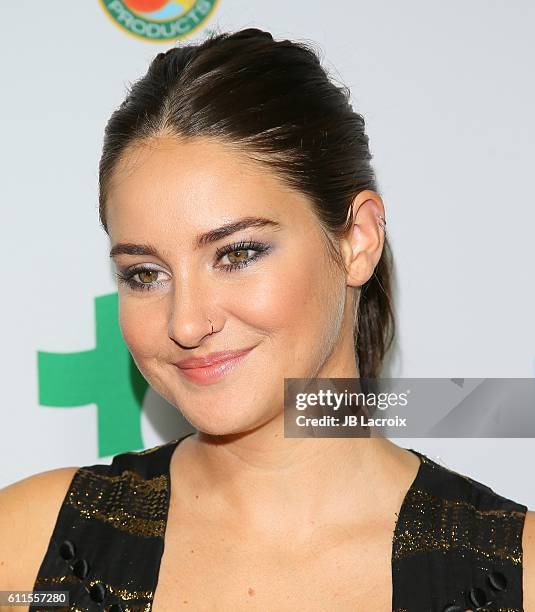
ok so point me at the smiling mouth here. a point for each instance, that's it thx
(211, 359)
(213, 373)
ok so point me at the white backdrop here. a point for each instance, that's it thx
(447, 93)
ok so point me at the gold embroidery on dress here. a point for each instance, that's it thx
(125, 594)
(126, 501)
(127, 608)
(43, 580)
(119, 591)
(433, 523)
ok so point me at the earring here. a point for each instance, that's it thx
(382, 222)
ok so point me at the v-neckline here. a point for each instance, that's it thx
(396, 534)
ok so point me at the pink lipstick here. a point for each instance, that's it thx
(213, 367)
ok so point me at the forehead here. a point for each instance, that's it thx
(196, 183)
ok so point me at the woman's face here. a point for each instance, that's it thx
(290, 303)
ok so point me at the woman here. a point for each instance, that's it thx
(249, 241)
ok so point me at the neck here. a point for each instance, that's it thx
(273, 487)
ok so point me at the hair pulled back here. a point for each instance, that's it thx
(274, 101)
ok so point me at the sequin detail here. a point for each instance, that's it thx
(126, 501)
(127, 608)
(432, 523)
(44, 580)
(125, 594)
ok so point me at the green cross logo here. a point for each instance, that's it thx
(105, 375)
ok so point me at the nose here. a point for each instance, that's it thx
(190, 316)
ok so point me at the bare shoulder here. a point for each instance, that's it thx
(528, 561)
(28, 513)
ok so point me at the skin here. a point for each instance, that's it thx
(292, 305)
(295, 307)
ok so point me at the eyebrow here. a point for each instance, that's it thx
(214, 235)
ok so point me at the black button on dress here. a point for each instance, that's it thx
(456, 544)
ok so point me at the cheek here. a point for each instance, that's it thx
(140, 325)
(299, 298)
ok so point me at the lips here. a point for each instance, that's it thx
(220, 364)
(210, 360)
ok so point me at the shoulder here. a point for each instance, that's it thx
(28, 512)
(466, 495)
(468, 534)
(30, 508)
(502, 528)
(528, 554)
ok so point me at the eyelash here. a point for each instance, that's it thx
(260, 248)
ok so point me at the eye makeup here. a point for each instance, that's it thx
(128, 277)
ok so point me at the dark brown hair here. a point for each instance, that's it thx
(275, 102)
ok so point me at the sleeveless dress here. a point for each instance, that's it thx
(457, 545)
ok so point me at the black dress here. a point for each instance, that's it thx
(457, 545)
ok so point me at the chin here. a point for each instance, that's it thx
(225, 421)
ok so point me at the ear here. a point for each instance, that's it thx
(362, 246)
